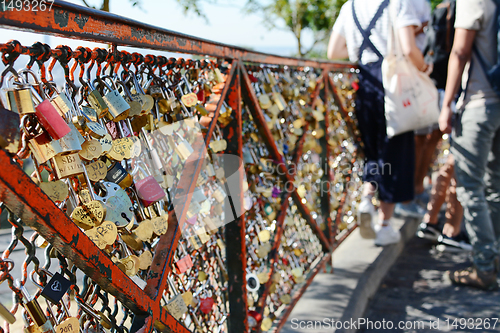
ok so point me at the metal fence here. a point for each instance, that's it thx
(258, 156)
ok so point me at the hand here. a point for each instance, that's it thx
(445, 119)
(429, 69)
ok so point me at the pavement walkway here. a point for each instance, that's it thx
(401, 285)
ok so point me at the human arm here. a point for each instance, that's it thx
(337, 47)
(459, 56)
(410, 49)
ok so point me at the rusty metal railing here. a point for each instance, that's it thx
(307, 137)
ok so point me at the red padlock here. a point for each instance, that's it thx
(51, 120)
(184, 264)
(254, 318)
(148, 189)
(206, 304)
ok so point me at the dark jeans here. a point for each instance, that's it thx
(390, 163)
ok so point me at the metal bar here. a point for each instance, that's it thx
(26, 200)
(325, 197)
(252, 101)
(280, 221)
(162, 260)
(298, 294)
(258, 115)
(306, 214)
(78, 22)
(349, 122)
(225, 90)
(337, 242)
(235, 231)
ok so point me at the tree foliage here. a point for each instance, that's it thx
(298, 16)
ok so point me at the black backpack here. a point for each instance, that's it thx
(439, 40)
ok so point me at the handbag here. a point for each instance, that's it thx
(411, 98)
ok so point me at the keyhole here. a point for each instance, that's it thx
(252, 283)
(125, 217)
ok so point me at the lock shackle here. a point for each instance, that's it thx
(120, 83)
(74, 110)
(50, 89)
(27, 73)
(184, 81)
(139, 207)
(124, 247)
(140, 166)
(137, 85)
(103, 81)
(146, 139)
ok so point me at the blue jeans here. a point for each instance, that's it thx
(476, 148)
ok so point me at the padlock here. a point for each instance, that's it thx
(177, 306)
(35, 312)
(68, 165)
(219, 143)
(61, 103)
(117, 174)
(10, 135)
(147, 101)
(96, 100)
(101, 319)
(47, 114)
(42, 149)
(183, 148)
(119, 209)
(56, 190)
(118, 106)
(20, 100)
(148, 189)
(157, 165)
(185, 262)
(71, 142)
(134, 105)
(130, 261)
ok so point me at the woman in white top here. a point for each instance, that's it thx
(360, 34)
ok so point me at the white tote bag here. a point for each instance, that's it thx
(411, 98)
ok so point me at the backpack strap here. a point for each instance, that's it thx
(367, 32)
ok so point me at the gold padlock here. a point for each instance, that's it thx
(97, 101)
(21, 100)
(44, 152)
(68, 165)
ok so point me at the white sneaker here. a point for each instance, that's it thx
(386, 235)
(365, 218)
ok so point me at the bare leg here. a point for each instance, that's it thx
(427, 156)
(385, 211)
(454, 211)
(438, 193)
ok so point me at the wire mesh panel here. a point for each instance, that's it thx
(147, 193)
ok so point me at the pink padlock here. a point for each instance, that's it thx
(48, 116)
(148, 189)
(51, 120)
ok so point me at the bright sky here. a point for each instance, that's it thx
(227, 24)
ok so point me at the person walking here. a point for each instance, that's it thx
(476, 140)
(360, 34)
